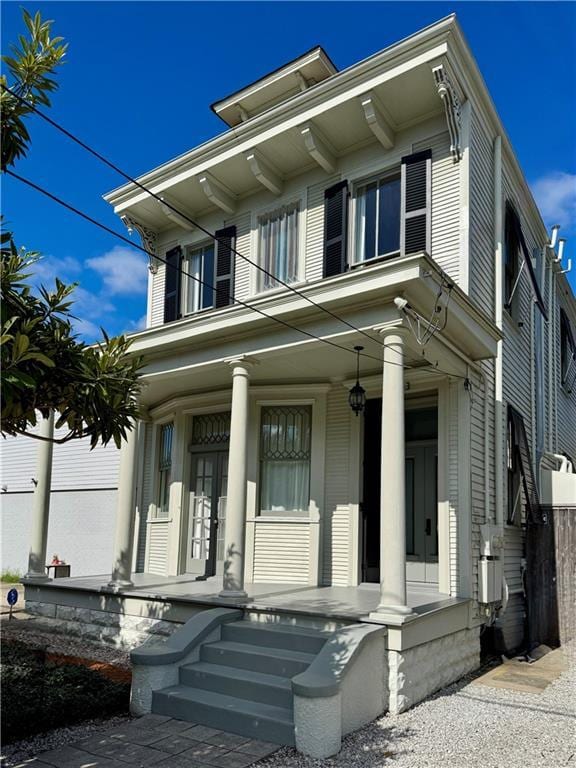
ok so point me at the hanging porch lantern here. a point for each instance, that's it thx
(357, 395)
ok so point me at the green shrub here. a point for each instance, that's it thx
(10, 577)
(38, 695)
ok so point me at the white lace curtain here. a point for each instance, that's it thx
(278, 246)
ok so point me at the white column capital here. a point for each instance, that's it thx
(394, 328)
(242, 362)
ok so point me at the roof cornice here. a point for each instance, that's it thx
(318, 94)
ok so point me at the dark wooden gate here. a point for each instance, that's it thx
(551, 577)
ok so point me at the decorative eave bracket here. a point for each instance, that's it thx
(264, 173)
(449, 96)
(377, 122)
(167, 207)
(318, 148)
(216, 193)
(148, 237)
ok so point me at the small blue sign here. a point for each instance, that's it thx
(12, 597)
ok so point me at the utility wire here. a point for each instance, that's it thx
(169, 205)
(245, 304)
(122, 173)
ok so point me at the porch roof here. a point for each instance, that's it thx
(191, 354)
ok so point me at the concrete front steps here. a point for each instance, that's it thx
(242, 682)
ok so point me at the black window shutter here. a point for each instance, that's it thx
(172, 284)
(416, 196)
(224, 282)
(335, 229)
(524, 458)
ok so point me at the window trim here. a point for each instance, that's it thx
(187, 249)
(286, 513)
(157, 513)
(390, 171)
(567, 351)
(297, 198)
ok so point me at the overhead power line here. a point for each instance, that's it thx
(203, 229)
(184, 215)
(242, 303)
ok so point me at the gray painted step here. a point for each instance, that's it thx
(242, 683)
(247, 718)
(270, 661)
(275, 636)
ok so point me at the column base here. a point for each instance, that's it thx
(117, 586)
(392, 614)
(233, 594)
(31, 578)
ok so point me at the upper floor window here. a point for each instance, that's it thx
(164, 469)
(278, 246)
(567, 352)
(198, 278)
(377, 218)
(511, 258)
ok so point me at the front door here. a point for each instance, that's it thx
(207, 512)
(421, 513)
(421, 493)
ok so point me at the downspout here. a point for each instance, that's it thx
(498, 310)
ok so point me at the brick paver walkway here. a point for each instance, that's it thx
(157, 740)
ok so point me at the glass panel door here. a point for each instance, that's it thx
(207, 500)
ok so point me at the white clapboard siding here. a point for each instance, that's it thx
(481, 249)
(315, 228)
(281, 552)
(242, 269)
(445, 204)
(158, 548)
(74, 466)
(157, 295)
(336, 532)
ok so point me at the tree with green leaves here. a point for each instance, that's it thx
(45, 366)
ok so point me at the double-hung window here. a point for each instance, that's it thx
(164, 469)
(285, 440)
(278, 246)
(198, 279)
(377, 218)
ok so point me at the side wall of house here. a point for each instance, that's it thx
(82, 504)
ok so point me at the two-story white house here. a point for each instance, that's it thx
(359, 355)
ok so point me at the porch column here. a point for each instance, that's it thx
(393, 492)
(235, 530)
(125, 513)
(41, 504)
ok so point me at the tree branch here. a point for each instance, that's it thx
(57, 440)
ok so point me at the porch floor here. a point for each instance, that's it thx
(347, 603)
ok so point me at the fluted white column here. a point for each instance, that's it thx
(235, 530)
(392, 490)
(41, 504)
(125, 513)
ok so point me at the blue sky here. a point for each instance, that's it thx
(140, 77)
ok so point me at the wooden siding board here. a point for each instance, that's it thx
(336, 532)
(281, 552)
(445, 204)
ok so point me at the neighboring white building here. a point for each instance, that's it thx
(389, 197)
(82, 504)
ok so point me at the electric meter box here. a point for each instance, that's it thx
(489, 580)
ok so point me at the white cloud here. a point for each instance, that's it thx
(123, 271)
(555, 194)
(47, 268)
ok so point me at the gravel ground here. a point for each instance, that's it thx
(464, 726)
